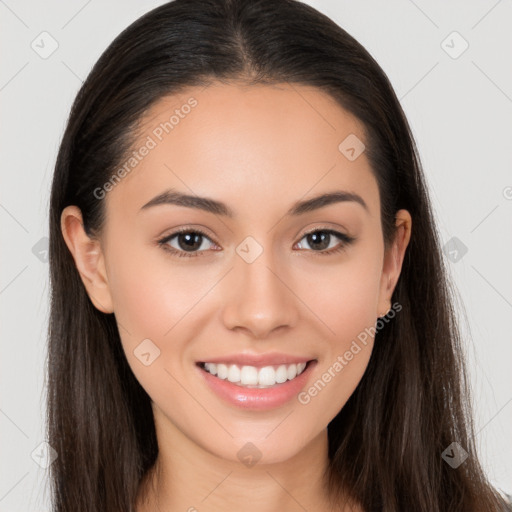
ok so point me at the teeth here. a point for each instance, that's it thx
(281, 374)
(211, 367)
(251, 376)
(266, 376)
(234, 373)
(248, 375)
(222, 371)
(292, 371)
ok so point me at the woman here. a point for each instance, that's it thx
(249, 305)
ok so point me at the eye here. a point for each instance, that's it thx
(189, 242)
(321, 240)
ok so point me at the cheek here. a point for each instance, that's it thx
(150, 292)
(345, 296)
(344, 360)
(153, 299)
(141, 299)
(156, 298)
(346, 302)
(333, 385)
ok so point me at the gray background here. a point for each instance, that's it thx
(460, 110)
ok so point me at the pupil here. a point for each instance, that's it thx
(192, 241)
(316, 237)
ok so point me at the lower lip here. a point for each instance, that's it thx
(257, 398)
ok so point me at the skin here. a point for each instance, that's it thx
(258, 149)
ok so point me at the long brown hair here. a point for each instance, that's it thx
(385, 445)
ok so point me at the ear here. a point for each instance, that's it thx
(89, 259)
(393, 260)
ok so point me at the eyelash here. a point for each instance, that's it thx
(345, 241)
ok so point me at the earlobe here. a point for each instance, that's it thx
(88, 257)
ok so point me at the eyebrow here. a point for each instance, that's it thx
(218, 208)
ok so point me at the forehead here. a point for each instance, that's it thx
(255, 144)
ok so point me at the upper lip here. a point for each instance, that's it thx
(268, 359)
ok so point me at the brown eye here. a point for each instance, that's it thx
(323, 241)
(186, 242)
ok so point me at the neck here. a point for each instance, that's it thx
(188, 478)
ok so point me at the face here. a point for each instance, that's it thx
(274, 298)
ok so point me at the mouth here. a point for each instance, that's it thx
(253, 376)
(260, 385)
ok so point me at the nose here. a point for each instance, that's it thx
(259, 300)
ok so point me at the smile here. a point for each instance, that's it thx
(257, 383)
(252, 376)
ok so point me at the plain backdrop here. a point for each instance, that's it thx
(450, 65)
